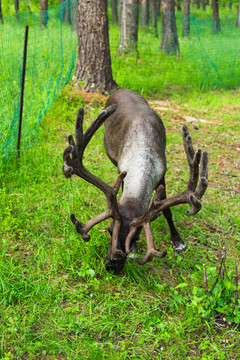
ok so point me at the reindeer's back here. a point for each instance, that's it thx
(133, 122)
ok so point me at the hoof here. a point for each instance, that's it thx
(180, 248)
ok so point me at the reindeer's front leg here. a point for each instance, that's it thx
(177, 242)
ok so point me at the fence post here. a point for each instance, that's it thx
(22, 91)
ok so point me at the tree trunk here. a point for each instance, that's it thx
(44, 13)
(144, 14)
(186, 18)
(169, 37)
(238, 15)
(114, 11)
(204, 3)
(29, 5)
(216, 20)
(65, 11)
(178, 3)
(93, 66)
(197, 3)
(128, 26)
(74, 13)
(1, 15)
(16, 5)
(153, 4)
(230, 5)
(158, 7)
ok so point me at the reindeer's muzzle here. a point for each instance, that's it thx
(114, 266)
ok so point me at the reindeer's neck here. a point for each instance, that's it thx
(139, 188)
(143, 175)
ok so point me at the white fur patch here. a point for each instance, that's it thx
(144, 169)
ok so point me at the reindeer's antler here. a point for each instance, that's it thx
(72, 157)
(192, 195)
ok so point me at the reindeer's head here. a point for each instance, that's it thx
(128, 218)
(127, 211)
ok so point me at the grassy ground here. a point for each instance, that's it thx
(56, 299)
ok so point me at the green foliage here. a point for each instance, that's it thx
(8, 8)
(220, 303)
(7, 356)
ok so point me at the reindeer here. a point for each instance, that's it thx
(135, 142)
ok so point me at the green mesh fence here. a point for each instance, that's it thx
(207, 60)
(52, 45)
(217, 55)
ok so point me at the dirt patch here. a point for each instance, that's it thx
(88, 97)
(224, 168)
(230, 108)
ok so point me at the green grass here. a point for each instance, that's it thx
(56, 299)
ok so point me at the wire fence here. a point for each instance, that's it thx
(207, 60)
(217, 55)
(51, 56)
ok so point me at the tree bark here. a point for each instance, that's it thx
(93, 66)
(144, 14)
(29, 5)
(238, 15)
(74, 15)
(204, 3)
(186, 18)
(169, 38)
(216, 20)
(128, 26)
(158, 7)
(1, 15)
(44, 13)
(153, 4)
(16, 5)
(65, 9)
(197, 3)
(178, 3)
(114, 11)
